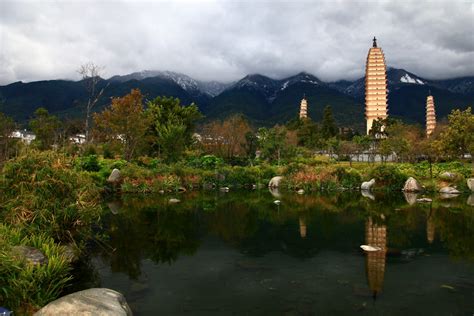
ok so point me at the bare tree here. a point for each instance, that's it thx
(90, 73)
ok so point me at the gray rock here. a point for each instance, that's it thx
(224, 189)
(96, 301)
(449, 190)
(300, 191)
(470, 184)
(115, 176)
(173, 201)
(275, 182)
(424, 200)
(367, 185)
(447, 175)
(411, 185)
(29, 254)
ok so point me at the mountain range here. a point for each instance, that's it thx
(265, 101)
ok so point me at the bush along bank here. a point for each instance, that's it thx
(148, 175)
(47, 209)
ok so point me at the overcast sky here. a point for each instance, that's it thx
(225, 40)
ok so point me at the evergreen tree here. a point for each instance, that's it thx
(329, 127)
(46, 127)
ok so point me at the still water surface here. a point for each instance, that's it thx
(239, 253)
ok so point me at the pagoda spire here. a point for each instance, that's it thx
(375, 86)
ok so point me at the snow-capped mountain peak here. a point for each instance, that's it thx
(407, 79)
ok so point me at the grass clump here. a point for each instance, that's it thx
(45, 202)
(27, 287)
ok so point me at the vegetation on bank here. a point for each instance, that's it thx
(50, 190)
(46, 204)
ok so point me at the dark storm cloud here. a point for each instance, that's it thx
(225, 40)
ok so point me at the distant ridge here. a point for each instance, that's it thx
(264, 100)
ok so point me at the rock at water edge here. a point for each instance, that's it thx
(115, 176)
(411, 185)
(367, 185)
(275, 182)
(96, 301)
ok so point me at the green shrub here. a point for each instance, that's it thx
(43, 193)
(88, 163)
(348, 178)
(208, 162)
(388, 177)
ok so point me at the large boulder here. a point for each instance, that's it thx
(449, 190)
(366, 186)
(470, 184)
(275, 182)
(115, 177)
(96, 301)
(29, 254)
(411, 185)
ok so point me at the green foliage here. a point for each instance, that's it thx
(26, 287)
(172, 126)
(88, 163)
(273, 144)
(348, 178)
(7, 126)
(328, 124)
(43, 193)
(208, 162)
(388, 177)
(458, 137)
(46, 128)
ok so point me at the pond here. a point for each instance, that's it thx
(240, 253)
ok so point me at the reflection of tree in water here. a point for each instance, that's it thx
(376, 236)
(174, 233)
(161, 233)
(430, 226)
(455, 226)
(302, 227)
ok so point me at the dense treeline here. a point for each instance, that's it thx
(163, 128)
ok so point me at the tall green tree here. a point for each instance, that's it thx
(7, 126)
(457, 138)
(46, 127)
(328, 124)
(172, 126)
(273, 143)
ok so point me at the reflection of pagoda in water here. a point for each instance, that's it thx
(302, 227)
(375, 236)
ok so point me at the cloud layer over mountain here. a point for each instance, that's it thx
(225, 40)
